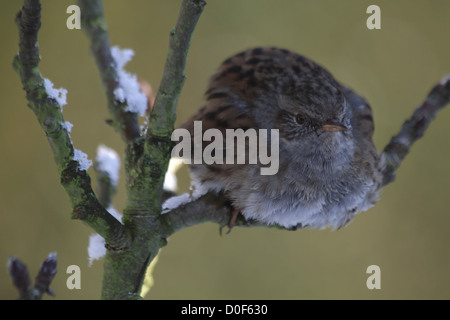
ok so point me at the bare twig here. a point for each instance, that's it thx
(414, 128)
(162, 117)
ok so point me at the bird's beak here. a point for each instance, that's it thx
(333, 126)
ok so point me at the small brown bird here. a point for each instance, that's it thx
(329, 169)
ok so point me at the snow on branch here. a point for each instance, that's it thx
(46, 102)
(123, 100)
(128, 90)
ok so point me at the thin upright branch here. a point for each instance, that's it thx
(150, 162)
(162, 117)
(94, 25)
(48, 111)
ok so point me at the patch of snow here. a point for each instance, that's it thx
(60, 95)
(128, 90)
(108, 161)
(82, 158)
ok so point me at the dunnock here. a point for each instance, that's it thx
(329, 169)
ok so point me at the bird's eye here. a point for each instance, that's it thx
(300, 118)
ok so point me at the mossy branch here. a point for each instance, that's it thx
(146, 158)
(48, 111)
(149, 160)
(162, 117)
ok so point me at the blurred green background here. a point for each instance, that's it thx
(406, 233)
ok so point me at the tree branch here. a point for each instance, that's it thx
(48, 111)
(414, 128)
(149, 161)
(93, 24)
(146, 159)
(162, 117)
(158, 144)
(210, 207)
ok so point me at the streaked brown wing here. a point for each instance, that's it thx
(363, 118)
